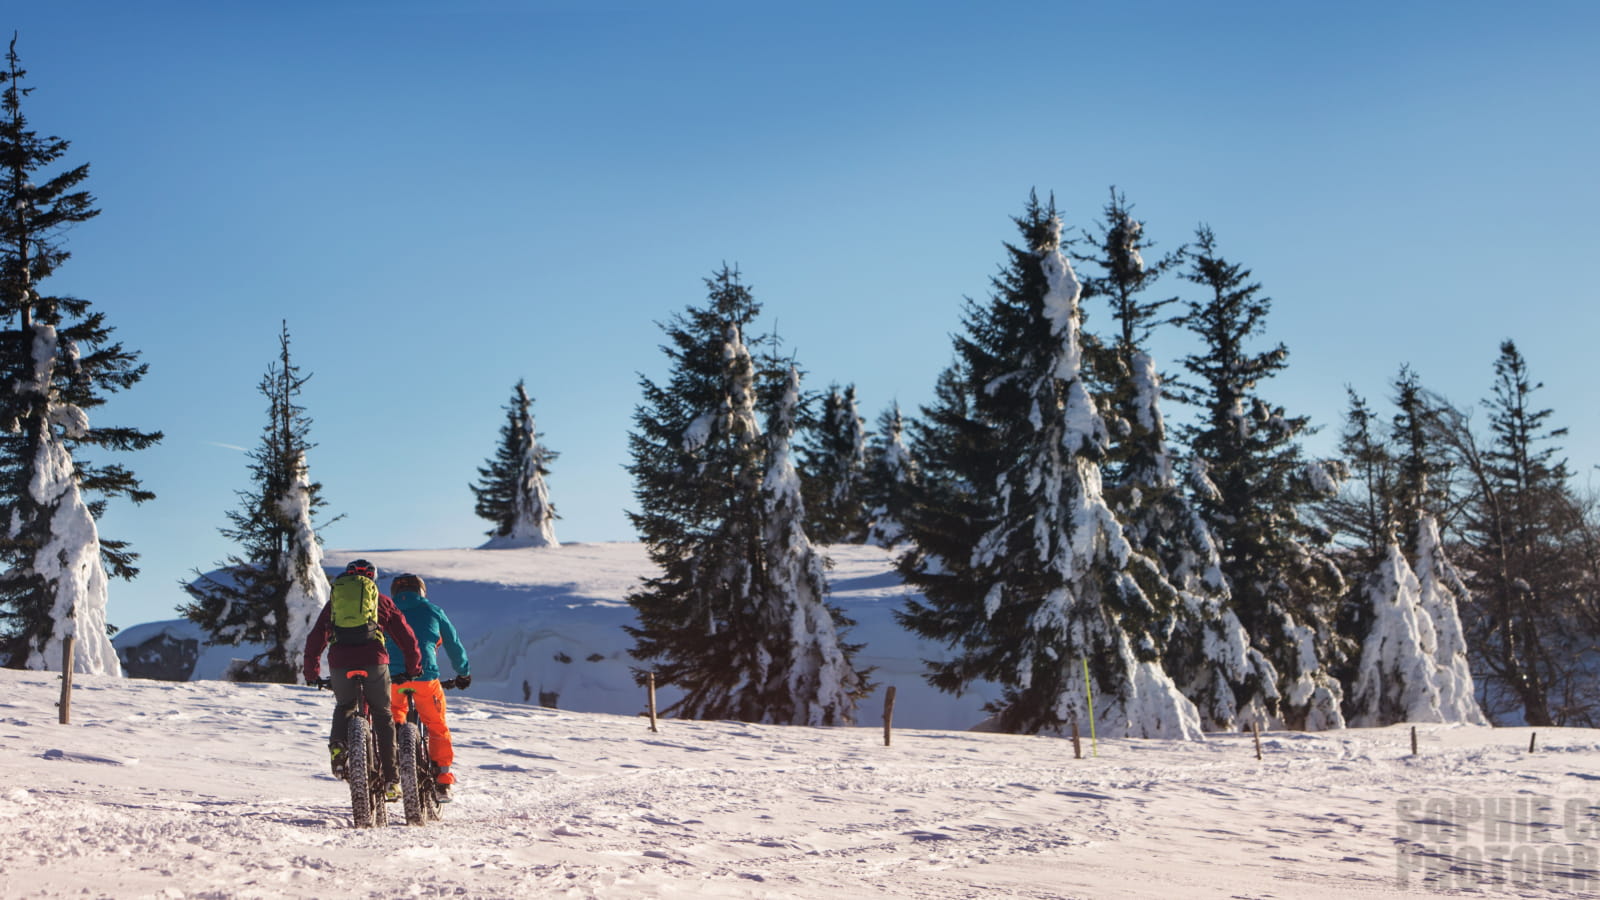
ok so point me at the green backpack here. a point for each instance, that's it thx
(355, 610)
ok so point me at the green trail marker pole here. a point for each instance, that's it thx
(1094, 742)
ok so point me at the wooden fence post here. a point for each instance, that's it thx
(66, 680)
(1094, 739)
(1413, 740)
(888, 715)
(653, 728)
(1255, 729)
(1077, 745)
(1531, 738)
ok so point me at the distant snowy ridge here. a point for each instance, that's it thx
(544, 624)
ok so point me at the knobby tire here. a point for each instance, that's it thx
(410, 777)
(358, 770)
(430, 800)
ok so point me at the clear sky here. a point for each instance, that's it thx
(442, 198)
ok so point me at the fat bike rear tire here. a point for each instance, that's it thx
(358, 771)
(411, 787)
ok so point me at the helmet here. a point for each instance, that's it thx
(408, 582)
(362, 567)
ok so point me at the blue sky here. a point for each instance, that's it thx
(443, 201)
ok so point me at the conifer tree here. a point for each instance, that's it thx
(1361, 518)
(511, 489)
(1207, 652)
(1421, 496)
(1283, 585)
(1421, 463)
(271, 592)
(1396, 678)
(834, 465)
(819, 685)
(1394, 620)
(1051, 588)
(1523, 544)
(734, 619)
(59, 363)
(1441, 594)
(890, 475)
(1385, 639)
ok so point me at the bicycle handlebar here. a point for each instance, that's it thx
(326, 684)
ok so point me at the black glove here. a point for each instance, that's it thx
(462, 682)
(414, 676)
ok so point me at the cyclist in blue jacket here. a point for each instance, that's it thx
(433, 629)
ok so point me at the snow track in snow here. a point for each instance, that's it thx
(214, 790)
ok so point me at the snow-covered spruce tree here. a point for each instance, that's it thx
(833, 462)
(1284, 587)
(1441, 592)
(1052, 586)
(1386, 639)
(1422, 470)
(1395, 679)
(271, 592)
(1392, 623)
(1207, 652)
(890, 475)
(819, 684)
(1361, 519)
(511, 491)
(1421, 496)
(58, 363)
(733, 618)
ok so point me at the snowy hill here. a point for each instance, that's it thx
(220, 790)
(546, 622)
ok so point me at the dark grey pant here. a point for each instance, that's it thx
(345, 692)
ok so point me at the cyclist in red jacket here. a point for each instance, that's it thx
(361, 648)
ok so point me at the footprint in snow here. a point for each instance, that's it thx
(513, 767)
(90, 758)
(525, 754)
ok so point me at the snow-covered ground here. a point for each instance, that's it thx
(217, 790)
(547, 621)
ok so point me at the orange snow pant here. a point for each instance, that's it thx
(430, 708)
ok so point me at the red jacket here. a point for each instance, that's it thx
(358, 656)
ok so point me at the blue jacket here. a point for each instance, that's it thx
(431, 627)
